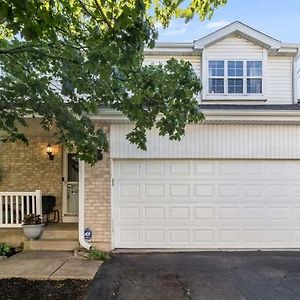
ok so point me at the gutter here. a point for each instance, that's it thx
(82, 241)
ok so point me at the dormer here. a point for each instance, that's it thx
(239, 65)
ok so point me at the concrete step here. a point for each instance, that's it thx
(59, 234)
(51, 244)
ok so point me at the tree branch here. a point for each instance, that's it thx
(103, 14)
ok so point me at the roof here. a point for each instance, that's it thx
(273, 45)
(242, 30)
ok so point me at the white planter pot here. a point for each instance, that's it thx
(33, 232)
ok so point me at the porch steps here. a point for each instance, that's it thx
(60, 234)
(56, 237)
(51, 244)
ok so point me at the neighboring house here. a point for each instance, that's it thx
(232, 182)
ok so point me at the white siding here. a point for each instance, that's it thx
(234, 47)
(280, 80)
(214, 142)
(194, 60)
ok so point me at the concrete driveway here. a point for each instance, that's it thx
(214, 275)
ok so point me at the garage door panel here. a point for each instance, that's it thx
(179, 190)
(204, 236)
(154, 213)
(154, 168)
(251, 236)
(155, 236)
(206, 204)
(204, 168)
(155, 190)
(253, 213)
(179, 167)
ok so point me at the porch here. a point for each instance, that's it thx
(27, 168)
(28, 172)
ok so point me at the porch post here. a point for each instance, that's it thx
(39, 209)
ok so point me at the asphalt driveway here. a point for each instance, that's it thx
(213, 275)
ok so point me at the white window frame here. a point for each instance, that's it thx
(232, 96)
(254, 77)
(216, 77)
(226, 92)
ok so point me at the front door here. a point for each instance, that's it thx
(70, 187)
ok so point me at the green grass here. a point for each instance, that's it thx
(96, 254)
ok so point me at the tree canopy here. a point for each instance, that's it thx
(62, 60)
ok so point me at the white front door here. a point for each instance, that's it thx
(206, 204)
(70, 187)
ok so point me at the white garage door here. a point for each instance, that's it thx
(206, 204)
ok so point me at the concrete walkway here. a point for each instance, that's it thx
(48, 265)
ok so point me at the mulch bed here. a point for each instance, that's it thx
(22, 289)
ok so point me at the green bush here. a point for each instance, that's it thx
(4, 249)
(96, 254)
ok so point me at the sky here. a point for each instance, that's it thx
(277, 18)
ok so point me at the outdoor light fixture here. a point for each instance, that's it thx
(99, 154)
(49, 152)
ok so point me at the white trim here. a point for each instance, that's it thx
(232, 96)
(112, 201)
(241, 29)
(82, 241)
(65, 217)
(204, 74)
(295, 78)
(116, 117)
(265, 74)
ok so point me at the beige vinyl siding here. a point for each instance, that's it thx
(213, 142)
(194, 60)
(234, 47)
(280, 80)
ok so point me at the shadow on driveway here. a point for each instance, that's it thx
(209, 275)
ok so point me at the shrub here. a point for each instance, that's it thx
(4, 249)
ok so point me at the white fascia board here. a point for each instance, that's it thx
(290, 45)
(172, 45)
(286, 51)
(113, 116)
(243, 30)
(172, 49)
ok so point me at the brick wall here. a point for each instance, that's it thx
(27, 168)
(98, 199)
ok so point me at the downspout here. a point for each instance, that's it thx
(82, 241)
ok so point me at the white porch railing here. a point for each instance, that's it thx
(15, 205)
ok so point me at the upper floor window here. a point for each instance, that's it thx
(235, 74)
(234, 77)
(216, 76)
(254, 77)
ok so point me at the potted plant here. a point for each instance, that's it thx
(32, 226)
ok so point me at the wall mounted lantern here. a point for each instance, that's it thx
(99, 154)
(50, 152)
